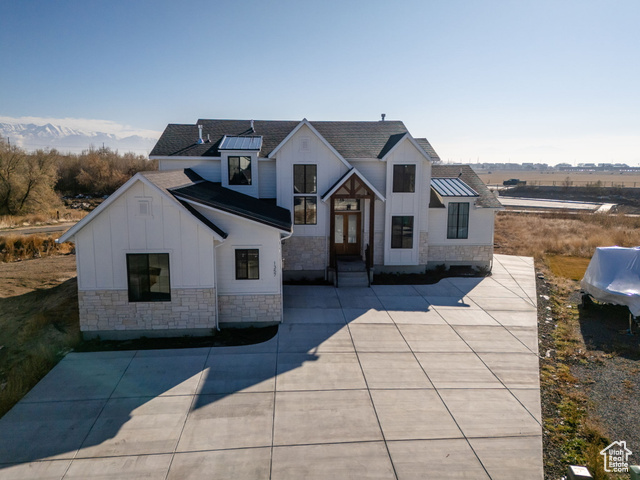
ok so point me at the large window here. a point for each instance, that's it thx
(458, 222)
(305, 206)
(239, 170)
(148, 277)
(247, 264)
(305, 178)
(402, 232)
(404, 178)
(304, 210)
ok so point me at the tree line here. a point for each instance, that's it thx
(35, 181)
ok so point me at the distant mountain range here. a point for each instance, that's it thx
(64, 139)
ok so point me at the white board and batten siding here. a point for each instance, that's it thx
(246, 234)
(407, 204)
(209, 169)
(103, 243)
(304, 147)
(481, 223)
(267, 186)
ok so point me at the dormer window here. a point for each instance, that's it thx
(240, 170)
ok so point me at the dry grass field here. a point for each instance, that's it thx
(581, 414)
(38, 321)
(578, 179)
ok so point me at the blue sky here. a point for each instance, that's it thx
(543, 81)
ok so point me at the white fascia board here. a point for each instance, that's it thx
(182, 157)
(317, 134)
(217, 210)
(347, 176)
(407, 136)
(113, 197)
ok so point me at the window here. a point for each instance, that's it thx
(404, 178)
(305, 207)
(239, 170)
(304, 210)
(148, 277)
(247, 264)
(458, 222)
(304, 178)
(401, 232)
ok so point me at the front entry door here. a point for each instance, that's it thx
(346, 234)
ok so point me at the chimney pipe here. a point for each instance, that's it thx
(383, 115)
(252, 129)
(200, 140)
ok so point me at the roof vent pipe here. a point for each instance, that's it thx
(252, 129)
(200, 140)
(208, 138)
(383, 115)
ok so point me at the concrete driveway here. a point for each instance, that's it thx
(408, 382)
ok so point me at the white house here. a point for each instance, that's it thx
(239, 205)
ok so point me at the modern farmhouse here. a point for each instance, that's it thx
(238, 206)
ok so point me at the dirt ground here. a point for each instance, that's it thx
(18, 278)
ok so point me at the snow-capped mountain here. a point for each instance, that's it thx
(64, 139)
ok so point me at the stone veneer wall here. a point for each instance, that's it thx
(304, 253)
(475, 254)
(250, 308)
(102, 310)
(423, 248)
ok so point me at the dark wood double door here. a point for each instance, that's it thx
(347, 228)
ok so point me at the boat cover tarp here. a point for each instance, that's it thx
(613, 276)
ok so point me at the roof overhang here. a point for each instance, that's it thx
(234, 214)
(117, 194)
(347, 176)
(407, 136)
(316, 133)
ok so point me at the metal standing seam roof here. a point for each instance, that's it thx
(452, 187)
(230, 142)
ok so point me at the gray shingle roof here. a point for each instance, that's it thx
(424, 143)
(350, 139)
(188, 185)
(467, 175)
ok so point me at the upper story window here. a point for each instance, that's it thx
(148, 277)
(458, 220)
(305, 206)
(402, 232)
(239, 170)
(305, 178)
(404, 178)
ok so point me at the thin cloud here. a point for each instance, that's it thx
(85, 125)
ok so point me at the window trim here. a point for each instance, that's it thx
(247, 272)
(305, 199)
(304, 182)
(402, 180)
(160, 296)
(402, 237)
(457, 235)
(305, 194)
(229, 178)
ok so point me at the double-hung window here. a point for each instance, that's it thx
(305, 199)
(247, 264)
(148, 277)
(458, 220)
(239, 170)
(404, 178)
(402, 232)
